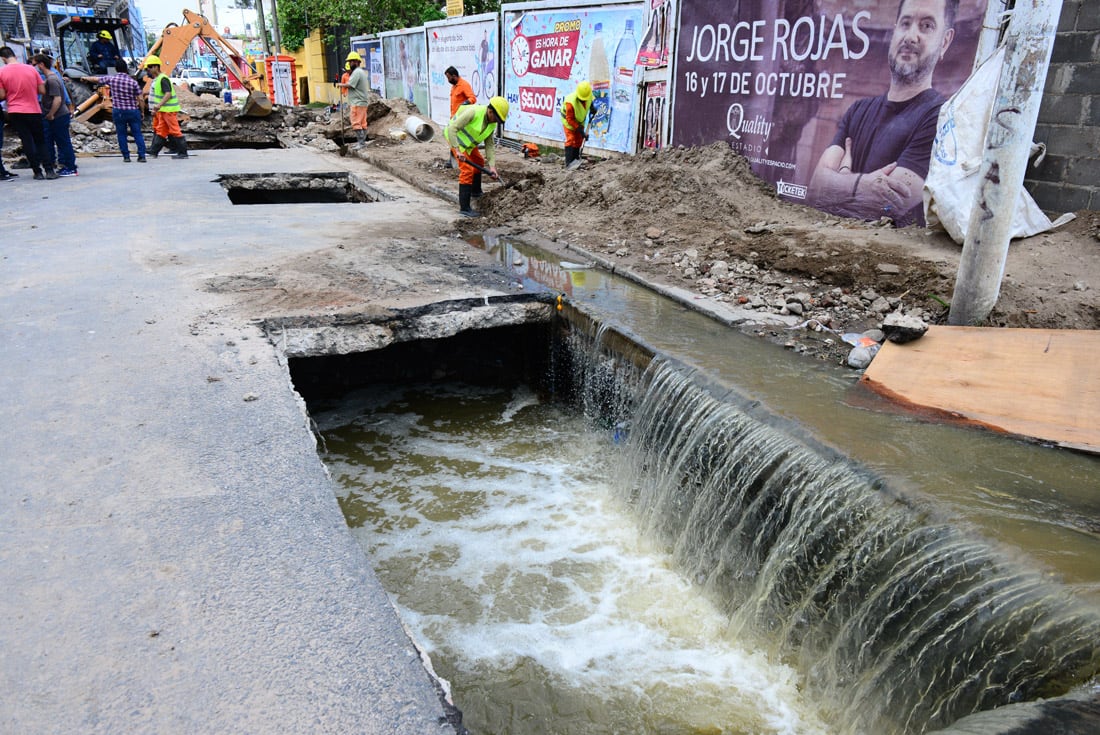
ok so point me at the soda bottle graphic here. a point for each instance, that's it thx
(599, 76)
(622, 89)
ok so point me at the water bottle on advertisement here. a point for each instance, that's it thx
(626, 53)
(599, 76)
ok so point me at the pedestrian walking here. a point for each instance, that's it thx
(5, 175)
(20, 86)
(126, 102)
(58, 147)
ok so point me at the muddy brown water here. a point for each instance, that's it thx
(497, 522)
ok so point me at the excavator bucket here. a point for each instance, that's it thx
(257, 104)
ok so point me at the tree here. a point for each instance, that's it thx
(299, 17)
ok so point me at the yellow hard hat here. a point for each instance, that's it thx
(152, 60)
(105, 34)
(500, 107)
(584, 91)
(353, 56)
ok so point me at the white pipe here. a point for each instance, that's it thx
(419, 129)
(1029, 42)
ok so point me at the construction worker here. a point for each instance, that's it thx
(165, 106)
(461, 94)
(358, 86)
(470, 126)
(574, 114)
(103, 54)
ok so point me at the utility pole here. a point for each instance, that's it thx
(1029, 42)
(263, 27)
(275, 24)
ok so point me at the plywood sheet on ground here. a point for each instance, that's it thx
(1041, 383)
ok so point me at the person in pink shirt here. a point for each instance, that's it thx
(20, 86)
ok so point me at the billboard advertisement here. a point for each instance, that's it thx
(371, 51)
(548, 51)
(833, 101)
(405, 63)
(470, 46)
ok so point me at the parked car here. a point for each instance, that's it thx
(198, 81)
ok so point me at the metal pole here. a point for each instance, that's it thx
(1029, 42)
(263, 27)
(275, 28)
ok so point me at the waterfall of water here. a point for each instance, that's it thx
(899, 618)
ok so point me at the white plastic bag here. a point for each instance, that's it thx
(951, 187)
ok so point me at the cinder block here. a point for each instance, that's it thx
(1063, 109)
(1058, 198)
(1088, 18)
(1052, 169)
(1067, 21)
(1077, 47)
(1059, 78)
(1069, 140)
(1085, 80)
(1083, 172)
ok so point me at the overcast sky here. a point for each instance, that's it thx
(158, 13)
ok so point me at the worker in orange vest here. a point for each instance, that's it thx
(461, 94)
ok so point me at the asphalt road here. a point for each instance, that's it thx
(172, 556)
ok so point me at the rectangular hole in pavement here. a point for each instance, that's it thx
(337, 187)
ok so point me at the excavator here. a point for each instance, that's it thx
(170, 47)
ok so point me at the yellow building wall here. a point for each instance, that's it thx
(312, 53)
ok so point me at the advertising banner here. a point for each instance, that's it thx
(833, 101)
(470, 46)
(371, 51)
(657, 40)
(549, 51)
(405, 62)
(653, 115)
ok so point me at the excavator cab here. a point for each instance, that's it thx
(77, 36)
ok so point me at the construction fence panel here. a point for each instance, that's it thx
(405, 62)
(470, 45)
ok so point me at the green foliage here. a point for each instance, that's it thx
(298, 17)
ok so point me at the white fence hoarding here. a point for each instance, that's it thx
(371, 51)
(470, 46)
(548, 49)
(405, 62)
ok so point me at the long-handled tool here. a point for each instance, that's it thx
(576, 163)
(491, 175)
(343, 134)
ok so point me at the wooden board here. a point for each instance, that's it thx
(1039, 383)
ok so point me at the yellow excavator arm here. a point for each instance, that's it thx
(171, 46)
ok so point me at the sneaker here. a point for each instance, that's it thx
(125, 159)
(68, 172)
(51, 174)
(469, 213)
(38, 176)
(8, 176)
(180, 155)
(141, 159)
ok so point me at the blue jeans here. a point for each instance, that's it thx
(56, 133)
(128, 121)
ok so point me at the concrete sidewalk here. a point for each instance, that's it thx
(172, 556)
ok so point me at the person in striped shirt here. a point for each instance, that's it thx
(126, 103)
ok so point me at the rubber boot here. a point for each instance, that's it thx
(179, 144)
(155, 146)
(361, 137)
(570, 155)
(477, 192)
(465, 191)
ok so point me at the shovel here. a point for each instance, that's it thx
(343, 135)
(577, 163)
(499, 180)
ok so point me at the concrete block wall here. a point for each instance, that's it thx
(1068, 180)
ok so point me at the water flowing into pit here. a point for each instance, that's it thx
(764, 583)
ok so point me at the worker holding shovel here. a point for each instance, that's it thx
(470, 126)
(574, 114)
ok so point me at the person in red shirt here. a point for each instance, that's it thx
(20, 87)
(461, 94)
